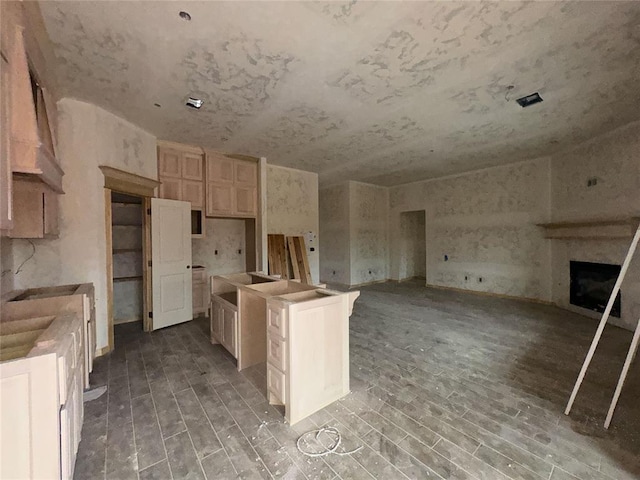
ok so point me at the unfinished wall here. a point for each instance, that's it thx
(614, 160)
(88, 137)
(368, 216)
(227, 236)
(334, 225)
(413, 244)
(6, 264)
(292, 208)
(484, 222)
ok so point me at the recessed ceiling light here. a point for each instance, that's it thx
(185, 16)
(529, 100)
(194, 102)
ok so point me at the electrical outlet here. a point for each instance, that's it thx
(446, 258)
(592, 182)
(466, 278)
(480, 279)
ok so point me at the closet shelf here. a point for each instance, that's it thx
(127, 225)
(126, 250)
(126, 279)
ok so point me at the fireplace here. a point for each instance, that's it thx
(591, 286)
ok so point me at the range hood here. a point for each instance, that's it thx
(32, 150)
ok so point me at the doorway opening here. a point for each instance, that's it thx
(413, 249)
(127, 240)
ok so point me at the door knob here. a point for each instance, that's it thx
(188, 266)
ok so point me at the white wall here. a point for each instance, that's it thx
(368, 216)
(6, 264)
(227, 236)
(413, 245)
(292, 208)
(88, 136)
(614, 159)
(334, 224)
(484, 222)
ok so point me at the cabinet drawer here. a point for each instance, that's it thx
(277, 352)
(277, 321)
(276, 383)
(199, 275)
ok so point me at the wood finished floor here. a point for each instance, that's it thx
(444, 385)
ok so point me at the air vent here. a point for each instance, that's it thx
(194, 103)
(529, 100)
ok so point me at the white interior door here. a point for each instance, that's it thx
(171, 262)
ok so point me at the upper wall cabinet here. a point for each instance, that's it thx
(232, 186)
(181, 174)
(31, 141)
(35, 210)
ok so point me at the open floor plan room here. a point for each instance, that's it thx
(443, 385)
(319, 240)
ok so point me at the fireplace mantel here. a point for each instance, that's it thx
(592, 229)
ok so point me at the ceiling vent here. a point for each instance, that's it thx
(529, 100)
(194, 103)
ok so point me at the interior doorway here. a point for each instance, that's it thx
(413, 250)
(127, 240)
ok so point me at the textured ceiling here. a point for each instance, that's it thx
(385, 93)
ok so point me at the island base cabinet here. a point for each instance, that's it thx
(308, 351)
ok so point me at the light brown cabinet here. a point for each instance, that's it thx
(299, 323)
(41, 406)
(26, 140)
(6, 184)
(224, 323)
(232, 187)
(181, 175)
(35, 210)
(200, 291)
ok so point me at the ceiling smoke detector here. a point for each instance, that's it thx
(194, 103)
(185, 16)
(529, 100)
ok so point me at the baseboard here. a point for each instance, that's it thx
(491, 294)
(102, 351)
(355, 285)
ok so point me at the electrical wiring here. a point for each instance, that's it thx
(324, 450)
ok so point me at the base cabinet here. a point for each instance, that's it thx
(307, 351)
(224, 324)
(41, 402)
(200, 291)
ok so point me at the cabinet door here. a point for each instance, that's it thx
(245, 173)
(219, 200)
(219, 168)
(30, 409)
(193, 192)
(192, 168)
(216, 320)
(28, 210)
(245, 201)
(198, 298)
(169, 163)
(170, 188)
(229, 323)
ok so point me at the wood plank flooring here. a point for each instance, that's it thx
(444, 385)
